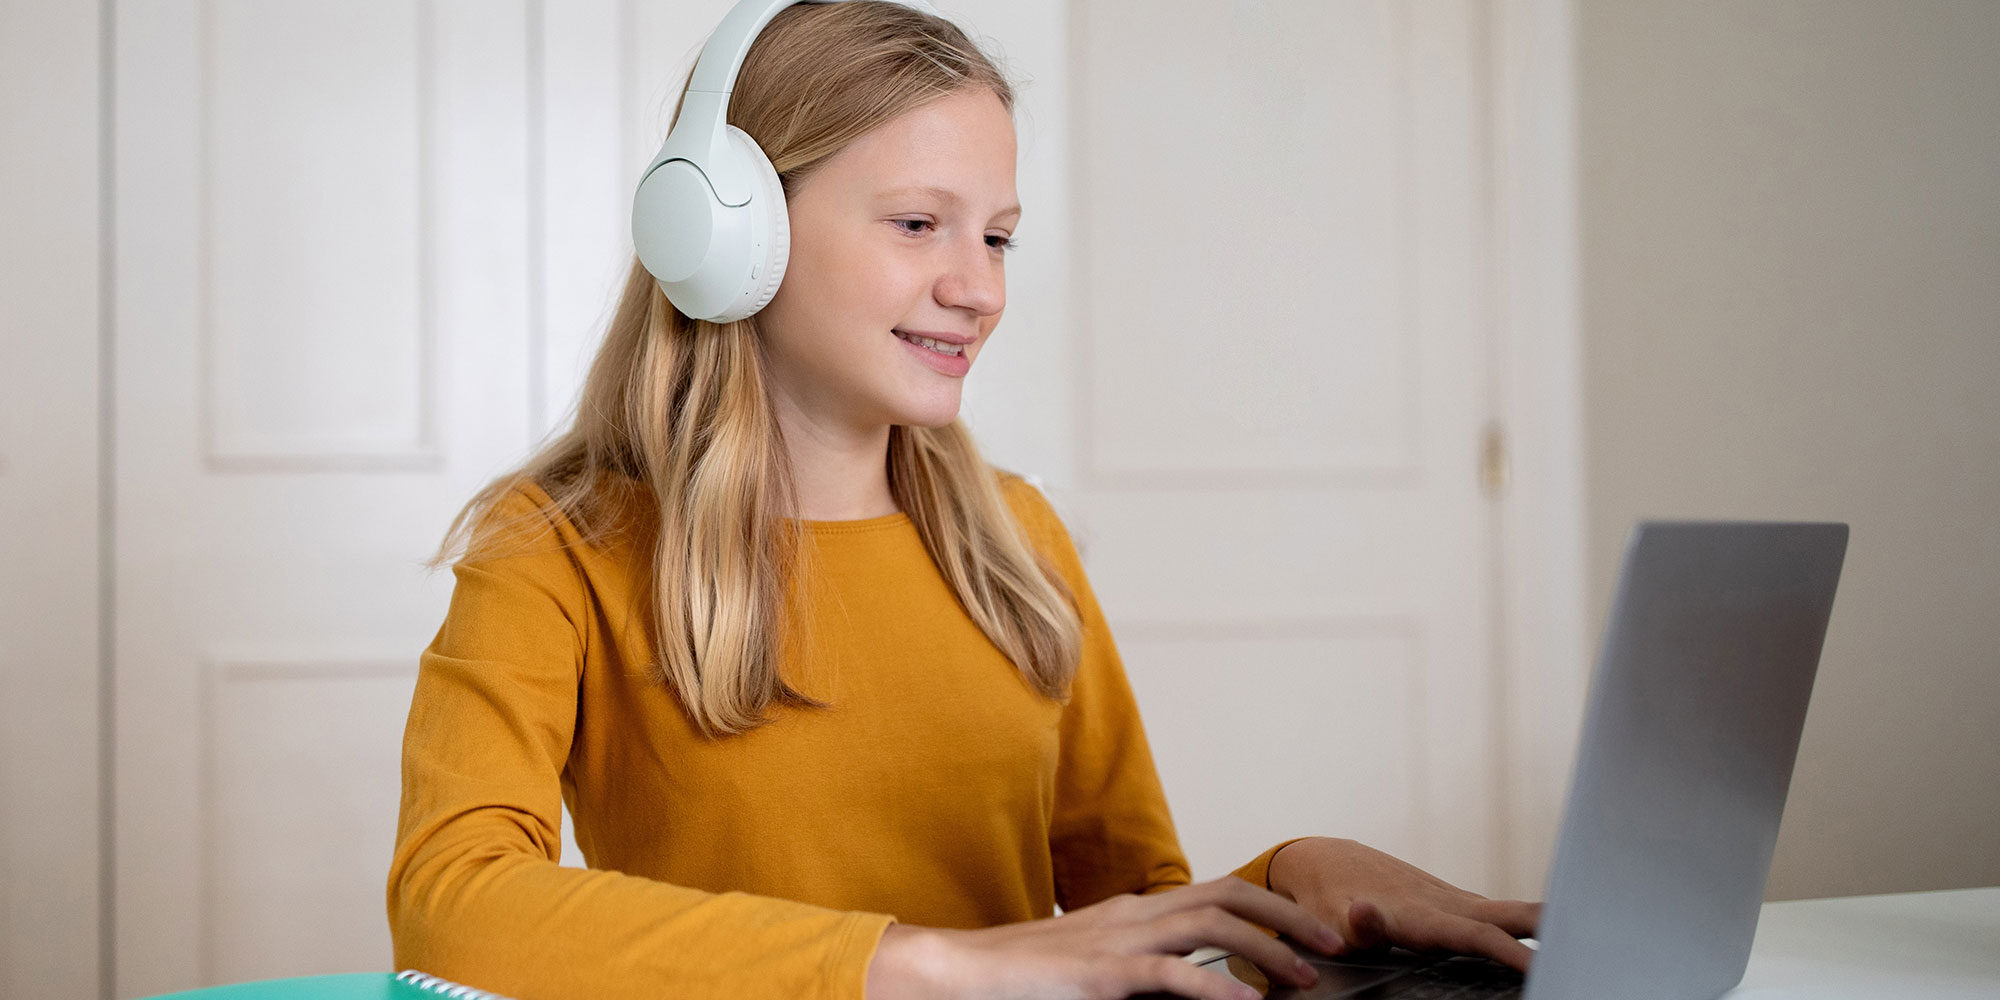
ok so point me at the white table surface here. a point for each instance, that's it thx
(1919, 945)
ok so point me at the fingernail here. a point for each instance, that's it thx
(1305, 971)
(1245, 992)
(1327, 938)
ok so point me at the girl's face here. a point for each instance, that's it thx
(902, 234)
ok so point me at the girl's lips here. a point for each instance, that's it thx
(944, 364)
(949, 338)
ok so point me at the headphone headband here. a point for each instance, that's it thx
(698, 134)
(722, 57)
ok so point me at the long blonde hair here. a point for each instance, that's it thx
(681, 407)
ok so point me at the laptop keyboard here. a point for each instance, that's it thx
(1456, 979)
(1411, 978)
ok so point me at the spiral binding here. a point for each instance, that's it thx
(444, 987)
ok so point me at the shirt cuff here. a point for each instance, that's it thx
(847, 964)
(1258, 871)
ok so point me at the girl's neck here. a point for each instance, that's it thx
(840, 473)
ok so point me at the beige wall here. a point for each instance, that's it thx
(49, 493)
(1791, 308)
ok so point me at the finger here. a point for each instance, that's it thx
(1450, 932)
(1288, 918)
(1367, 925)
(1212, 925)
(1511, 915)
(1172, 975)
(1258, 905)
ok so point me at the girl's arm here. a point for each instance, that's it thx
(475, 893)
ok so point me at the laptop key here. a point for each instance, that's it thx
(1456, 991)
(1427, 991)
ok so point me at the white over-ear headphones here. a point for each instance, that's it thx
(708, 220)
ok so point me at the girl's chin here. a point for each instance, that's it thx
(936, 413)
(930, 421)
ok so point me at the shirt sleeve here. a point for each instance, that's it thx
(475, 891)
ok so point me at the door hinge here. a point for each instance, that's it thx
(1493, 467)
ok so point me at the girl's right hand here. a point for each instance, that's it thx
(1121, 946)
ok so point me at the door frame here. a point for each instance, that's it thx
(1539, 632)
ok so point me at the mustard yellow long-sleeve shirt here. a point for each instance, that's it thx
(937, 789)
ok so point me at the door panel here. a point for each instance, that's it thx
(1283, 381)
(321, 352)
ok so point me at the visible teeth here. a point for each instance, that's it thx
(936, 345)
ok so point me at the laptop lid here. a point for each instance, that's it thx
(1692, 728)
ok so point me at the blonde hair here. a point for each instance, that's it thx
(681, 407)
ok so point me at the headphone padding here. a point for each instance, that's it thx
(773, 223)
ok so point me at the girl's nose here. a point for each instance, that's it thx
(974, 280)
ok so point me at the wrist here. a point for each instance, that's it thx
(1281, 876)
(909, 962)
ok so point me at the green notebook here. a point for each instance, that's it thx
(348, 986)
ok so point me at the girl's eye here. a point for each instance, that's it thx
(995, 241)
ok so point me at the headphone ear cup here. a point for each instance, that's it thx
(770, 226)
(714, 262)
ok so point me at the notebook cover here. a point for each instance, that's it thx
(344, 986)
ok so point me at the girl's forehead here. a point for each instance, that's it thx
(939, 193)
(967, 131)
(954, 152)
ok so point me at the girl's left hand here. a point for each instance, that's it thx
(1375, 900)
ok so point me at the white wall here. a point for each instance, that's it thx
(1790, 244)
(49, 492)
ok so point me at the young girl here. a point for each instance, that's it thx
(829, 699)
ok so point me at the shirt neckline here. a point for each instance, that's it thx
(897, 519)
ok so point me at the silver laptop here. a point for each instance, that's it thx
(1688, 742)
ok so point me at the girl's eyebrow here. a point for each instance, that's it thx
(945, 195)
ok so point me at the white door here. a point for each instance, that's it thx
(362, 249)
(1282, 365)
(336, 316)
